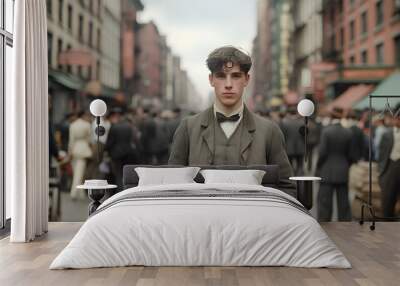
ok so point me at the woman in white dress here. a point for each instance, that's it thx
(79, 151)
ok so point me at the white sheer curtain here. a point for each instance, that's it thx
(27, 124)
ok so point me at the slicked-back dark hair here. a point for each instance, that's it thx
(220, 56)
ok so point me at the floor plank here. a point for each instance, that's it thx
(374, 255)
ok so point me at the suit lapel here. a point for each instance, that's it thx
(247, 133)
(207, 125)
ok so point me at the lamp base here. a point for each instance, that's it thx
(305, 193)
(305, 189)
(95, 195)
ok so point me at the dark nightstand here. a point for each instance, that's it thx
(96, 193)
(305, 189)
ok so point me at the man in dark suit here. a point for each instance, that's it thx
(119, 144)
(358, 136)
(389, 167)
(290, 126)
(333, 167)
(148, 129)
(227, 133)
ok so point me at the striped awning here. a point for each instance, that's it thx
(350, 97)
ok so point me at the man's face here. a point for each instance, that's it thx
(229, 84)
(115, 118)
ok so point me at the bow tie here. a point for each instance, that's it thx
(223, 118)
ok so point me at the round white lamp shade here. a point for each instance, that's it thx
(305, 107)
(98, 107)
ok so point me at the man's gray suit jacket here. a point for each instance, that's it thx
(262, 143)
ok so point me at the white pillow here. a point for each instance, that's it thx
(163, 176)
(248, 177)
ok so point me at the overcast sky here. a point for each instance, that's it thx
(195, 27)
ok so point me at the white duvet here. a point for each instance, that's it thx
(200, 231)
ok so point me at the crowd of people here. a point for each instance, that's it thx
(144, 137)
(141, 136)
(342, 139)
(138, 136)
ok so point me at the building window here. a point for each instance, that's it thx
(91, 6)
(69, 68)
(60, 11)
(98, 7)
(333, 42)
(59, 50)
(70, 16)
(90, 34)
(340, 4)
(80, 71)
(342, 37)
(364, 57)
(364, 23)
(379, 54)
(379, 12)
(352, 34)
(89, 73)
(98, 70)
(59, 46)
(49, 7)
(99, 40)
(396, 6)
(80, 32)
(49, 48)
(352, 2)
(397, 50)
(352, 60)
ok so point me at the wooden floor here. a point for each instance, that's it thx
(374, 255)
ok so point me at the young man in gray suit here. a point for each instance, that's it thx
(227, 133)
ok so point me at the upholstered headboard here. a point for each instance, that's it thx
(271, 178)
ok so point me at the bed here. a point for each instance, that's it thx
(201, 224)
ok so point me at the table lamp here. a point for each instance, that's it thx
(305, 108)
(304, 183)
(96, 188)
(98, 108)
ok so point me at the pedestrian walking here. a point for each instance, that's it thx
(389, 166)
(290, 126)
(335, 158)
(79, 151)
(119, 145)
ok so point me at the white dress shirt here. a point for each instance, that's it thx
(229, 126)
